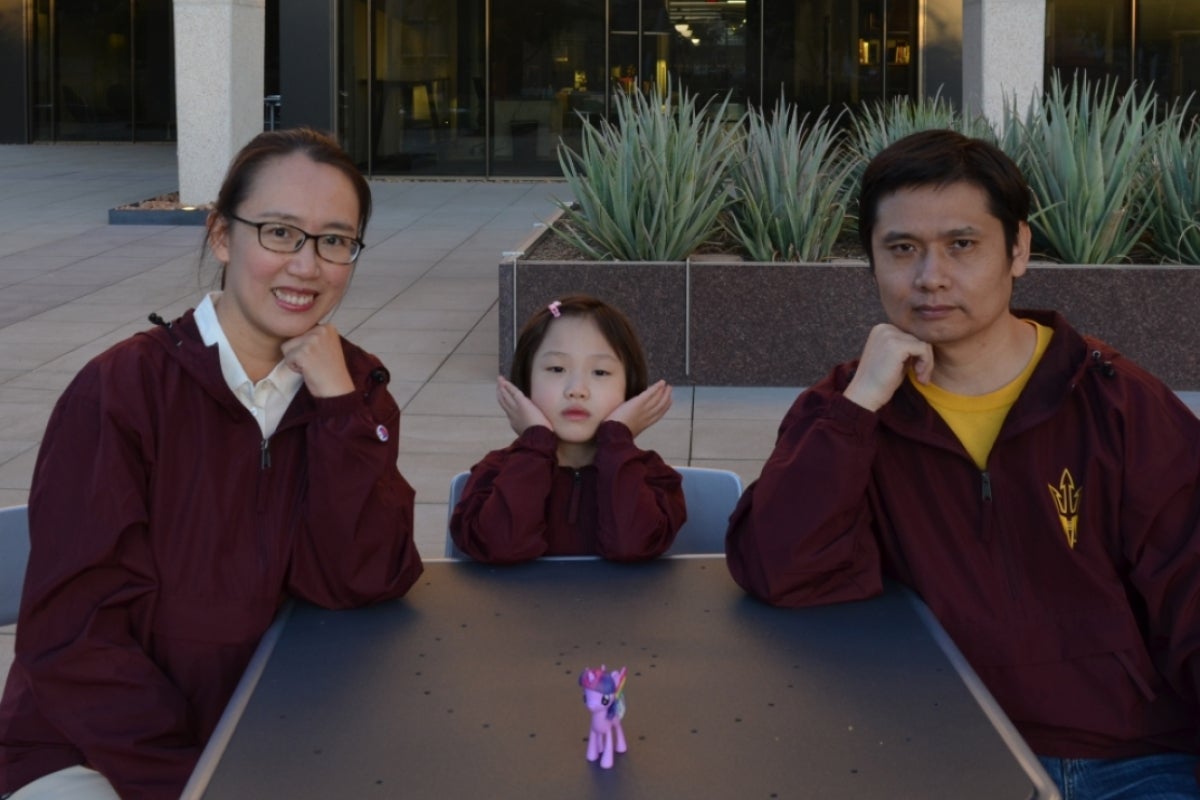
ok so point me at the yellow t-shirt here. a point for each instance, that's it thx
(976, 419)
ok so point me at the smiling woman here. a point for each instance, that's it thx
(241, 454)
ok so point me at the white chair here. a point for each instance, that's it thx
(14, 553)
(711, 495)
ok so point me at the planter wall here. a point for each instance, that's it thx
(746, 324)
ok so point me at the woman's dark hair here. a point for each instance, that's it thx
(939, 158)
(614, 327)
(269, 145)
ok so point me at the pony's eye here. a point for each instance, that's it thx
(605, 700)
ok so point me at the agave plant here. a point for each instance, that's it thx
(1175, 222)
(651, 186)
(878, 125)
(792, 191)
(1084, 153)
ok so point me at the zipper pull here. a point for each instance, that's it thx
(264, 454)
(987, 486)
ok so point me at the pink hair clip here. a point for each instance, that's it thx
(554, 309)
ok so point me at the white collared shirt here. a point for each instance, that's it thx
(267, 399)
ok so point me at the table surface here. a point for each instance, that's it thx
(467, 688)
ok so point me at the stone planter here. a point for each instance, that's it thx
(722, 323)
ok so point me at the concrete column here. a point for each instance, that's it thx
(218, 88)
(1004, 52)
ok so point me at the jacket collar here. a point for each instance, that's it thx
(1061, 367)
(181, 341)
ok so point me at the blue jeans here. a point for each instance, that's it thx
(1163, 776)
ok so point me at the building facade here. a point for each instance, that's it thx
(488, 87)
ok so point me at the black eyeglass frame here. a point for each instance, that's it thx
(304, 237)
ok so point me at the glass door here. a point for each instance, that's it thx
(410, 85)
(103, 70)
(703, 45)
(826, 53)
(887, 44)
(547, 78)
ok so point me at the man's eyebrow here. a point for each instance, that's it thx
(952, 233)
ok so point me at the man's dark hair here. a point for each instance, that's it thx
(938, 158)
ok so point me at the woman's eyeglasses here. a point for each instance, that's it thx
(280, 237)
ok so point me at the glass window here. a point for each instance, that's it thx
(1091, 37)
(547, 76)
(410, 85)
(825, 53)
(1168, 46)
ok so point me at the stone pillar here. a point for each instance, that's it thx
(218, 88)
(1004, 52)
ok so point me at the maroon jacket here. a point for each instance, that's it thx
(1068, 571)
(519, 504)
(165, 535)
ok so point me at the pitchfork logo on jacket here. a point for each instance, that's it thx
(1066, 499)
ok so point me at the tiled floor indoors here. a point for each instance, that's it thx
(423, 298)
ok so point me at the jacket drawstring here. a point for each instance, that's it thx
(1102, 364)
(157, 320)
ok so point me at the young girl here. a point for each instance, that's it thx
(192, 478)
(573, 482)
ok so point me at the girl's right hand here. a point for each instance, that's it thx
(521, 411)
(640, 412)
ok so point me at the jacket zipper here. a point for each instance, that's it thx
(573, 508)
(987, 486)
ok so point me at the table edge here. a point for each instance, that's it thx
(210, 757)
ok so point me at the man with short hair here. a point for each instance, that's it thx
(1036, 489)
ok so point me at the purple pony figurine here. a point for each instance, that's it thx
(604, 695)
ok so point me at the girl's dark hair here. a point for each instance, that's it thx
(269, 145)
(939, 158)
(613, 325)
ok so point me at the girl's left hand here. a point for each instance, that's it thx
(317, 355)
(521, 412)
(640, 412)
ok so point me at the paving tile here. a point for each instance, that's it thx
(477, 399)
(470, 436)
(17, 473)
(8, 638)
(670, 438)
(410, 366)
(468, 367)
(429, 529)
(396, 341)
(429, 473)
(733, 438)
(738, 402)
(411, 319)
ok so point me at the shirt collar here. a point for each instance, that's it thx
(286, 380)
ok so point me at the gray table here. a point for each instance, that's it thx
(467, 689)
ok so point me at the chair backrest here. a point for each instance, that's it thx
(456, 489)
(711, 495)
(14, 553)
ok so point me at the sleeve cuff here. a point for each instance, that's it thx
(851, 417)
